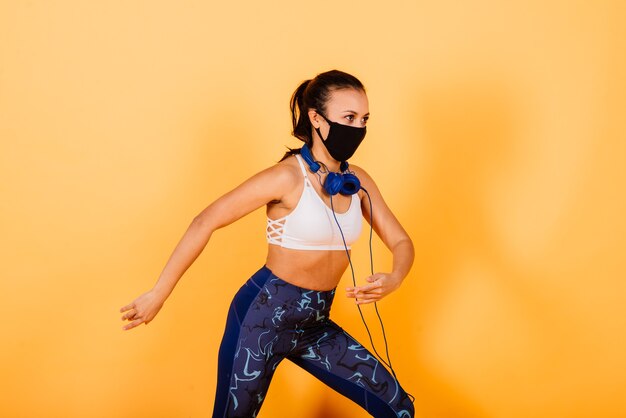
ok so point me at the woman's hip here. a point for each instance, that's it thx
(265, 295)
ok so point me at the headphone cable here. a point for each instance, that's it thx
(387, 363)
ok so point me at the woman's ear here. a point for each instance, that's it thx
(314, 118)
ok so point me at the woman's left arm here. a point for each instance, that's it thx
(393, 235)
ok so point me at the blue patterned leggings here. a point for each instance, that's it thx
(270, 319)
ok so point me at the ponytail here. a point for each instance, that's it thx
(299, 119)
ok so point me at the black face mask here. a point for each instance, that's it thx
(342, 140)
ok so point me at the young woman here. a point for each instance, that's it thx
(314, 211)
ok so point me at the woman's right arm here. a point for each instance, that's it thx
(265, 186)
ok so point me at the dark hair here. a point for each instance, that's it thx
(313, 94)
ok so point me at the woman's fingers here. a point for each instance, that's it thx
(367, 299)
(365, 288)
(130, 314)
(131, 308)
(142, 310)
(127, 307)
(374, 291)
(369, 289)
(133, 324)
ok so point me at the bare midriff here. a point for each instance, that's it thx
(310, 269)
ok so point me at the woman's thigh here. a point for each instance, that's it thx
(249, 353)
(337, 359)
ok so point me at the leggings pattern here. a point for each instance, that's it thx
(269, 320)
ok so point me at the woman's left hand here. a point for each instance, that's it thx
(379, 286)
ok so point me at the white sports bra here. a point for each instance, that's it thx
(311, 224)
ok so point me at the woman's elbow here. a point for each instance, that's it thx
(407, 244)
(204, 223)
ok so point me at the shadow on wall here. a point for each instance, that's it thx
(466, 128)
(467, 133)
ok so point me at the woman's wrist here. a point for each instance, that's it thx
(397, 277)
(161, 292)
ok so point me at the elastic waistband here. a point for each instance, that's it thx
(261, 276)
(264, 274)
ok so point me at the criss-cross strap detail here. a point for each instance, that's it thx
(275, 230)
(275, 227)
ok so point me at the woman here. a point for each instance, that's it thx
(314, 212)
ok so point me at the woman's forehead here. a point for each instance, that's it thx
(351, 99)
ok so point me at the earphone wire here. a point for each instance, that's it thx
(369, 334)
(372, 272)
(354, 282)
(369, 198)
(388, 364)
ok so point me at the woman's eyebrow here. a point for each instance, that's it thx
(356, 113)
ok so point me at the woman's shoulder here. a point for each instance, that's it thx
(364, 178)
(360, 172)
(288, 169)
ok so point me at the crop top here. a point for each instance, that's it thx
(311, 224)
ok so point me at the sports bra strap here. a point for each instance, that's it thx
(299, 158)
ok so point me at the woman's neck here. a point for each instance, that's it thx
(320, 153)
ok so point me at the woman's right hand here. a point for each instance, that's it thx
(143, 309)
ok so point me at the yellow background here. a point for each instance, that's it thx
(496, 136)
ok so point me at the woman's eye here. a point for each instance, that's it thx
(350, 117)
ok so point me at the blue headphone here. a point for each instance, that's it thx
(344, 183)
